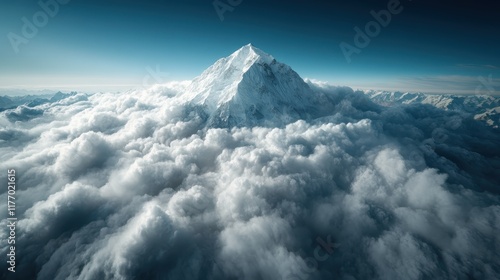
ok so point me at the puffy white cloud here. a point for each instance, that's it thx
(133, 185)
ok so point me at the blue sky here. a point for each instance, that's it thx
(91, 45)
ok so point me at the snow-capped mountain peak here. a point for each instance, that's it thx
(248, 55)
(246, 86)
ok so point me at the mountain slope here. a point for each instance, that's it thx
(251, 87)
(481, 107)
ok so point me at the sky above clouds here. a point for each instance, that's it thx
(110, 45)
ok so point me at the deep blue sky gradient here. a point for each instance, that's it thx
(110, 44)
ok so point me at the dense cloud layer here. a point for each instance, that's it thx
(134, 186)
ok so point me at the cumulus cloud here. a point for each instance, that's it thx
(135, 186)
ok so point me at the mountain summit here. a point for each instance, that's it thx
(250, 87)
